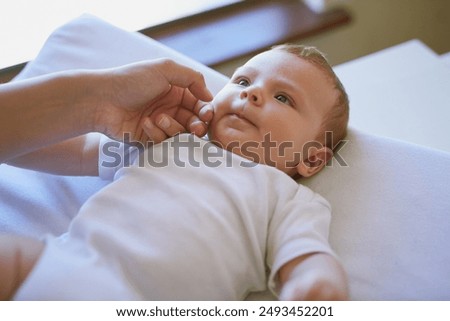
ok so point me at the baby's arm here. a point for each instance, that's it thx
(17, 257)
(316, 276)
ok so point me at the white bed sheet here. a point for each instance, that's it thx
(391, 207)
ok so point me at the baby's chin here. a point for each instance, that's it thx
(228, 143)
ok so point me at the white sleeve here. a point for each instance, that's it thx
(299, 227)
(112, 156)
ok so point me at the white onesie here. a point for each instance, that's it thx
(187, 221)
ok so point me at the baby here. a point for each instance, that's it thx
(199, 220)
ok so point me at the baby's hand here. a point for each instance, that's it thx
(312, 288)
(315, 277)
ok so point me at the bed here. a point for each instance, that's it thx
(390, 195)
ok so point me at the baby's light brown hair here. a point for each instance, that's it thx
(336, 120)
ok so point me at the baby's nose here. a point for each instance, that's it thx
(252, 94)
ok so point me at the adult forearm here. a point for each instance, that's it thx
(77, 156)
(39, 112)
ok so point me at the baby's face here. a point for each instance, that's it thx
(271, 108)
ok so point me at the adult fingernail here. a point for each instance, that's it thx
(206, 113)
(148, 123)
(164, 122)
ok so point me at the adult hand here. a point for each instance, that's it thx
(50, 109)
(152, 100)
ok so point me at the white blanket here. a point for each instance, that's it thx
(391, 205)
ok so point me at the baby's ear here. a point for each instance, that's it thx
(315, 161)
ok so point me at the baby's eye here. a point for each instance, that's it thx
(284, 99)
(243, 82)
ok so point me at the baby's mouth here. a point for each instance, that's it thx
(242, 117)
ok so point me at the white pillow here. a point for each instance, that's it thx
(391, 217)
(391, 204)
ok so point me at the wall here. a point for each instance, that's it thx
(378, 24)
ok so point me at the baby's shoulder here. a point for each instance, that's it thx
(297, 193)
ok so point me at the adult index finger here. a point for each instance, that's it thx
(186, 77)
